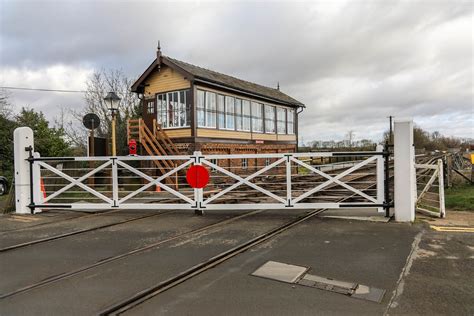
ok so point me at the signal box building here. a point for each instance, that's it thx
(196, 109)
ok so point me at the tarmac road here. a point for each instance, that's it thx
(424, 271)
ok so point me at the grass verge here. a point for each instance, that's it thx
(460, 198)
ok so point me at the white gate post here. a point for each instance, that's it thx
(442, 207)
(22, 139)
(404, 171)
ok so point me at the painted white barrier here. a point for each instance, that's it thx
(404, 171)
(23, 138)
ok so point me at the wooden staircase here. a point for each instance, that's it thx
(155, 143)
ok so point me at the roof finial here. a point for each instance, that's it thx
(278, 85)
(158, 51)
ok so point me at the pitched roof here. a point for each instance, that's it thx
(215, 78)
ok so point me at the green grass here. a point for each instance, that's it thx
(460, 198)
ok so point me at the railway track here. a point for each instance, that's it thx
(150, 292)
(77, 232)
(147, 293)
(9, 231)
(302, 182)
(68, 274)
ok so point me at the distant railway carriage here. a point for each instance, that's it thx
(187, 108)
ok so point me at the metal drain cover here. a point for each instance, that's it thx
(289, 273)
(280, 271)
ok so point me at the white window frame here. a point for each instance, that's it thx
(244, 163)
(243, 114)
(269, 118)
(249, 118)
(220, 111)
(150, 107)
(238, 114)
(201, 108)
(290, 113)
(259, 118)
(208, 109)
(229, 115)
(176, 111)
(281, 123)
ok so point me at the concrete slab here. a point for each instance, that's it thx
(279, 271)
(361, 214)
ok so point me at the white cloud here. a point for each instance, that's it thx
(352, 63)
(61, 77)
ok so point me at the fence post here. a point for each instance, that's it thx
(38, 197)
(380, 178)
(404, 171)
(198, 193)
(115, 184)
(288, 180)
(442, 208)
(22, 139)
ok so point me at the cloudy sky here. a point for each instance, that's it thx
(352, 63)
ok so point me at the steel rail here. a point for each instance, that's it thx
(68, 274)
(81, 231)
(148, 293)
(58, 221)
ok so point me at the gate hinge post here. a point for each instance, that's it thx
(379, 173)
(115, 189)
(386, 185)
(288, 180)
(198, 193)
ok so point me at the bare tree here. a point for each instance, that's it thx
(74, 131)
(99, 84)
(5, 106)
(350, 137)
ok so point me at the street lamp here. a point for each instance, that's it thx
(112, 101)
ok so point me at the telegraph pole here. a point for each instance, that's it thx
(391, 132)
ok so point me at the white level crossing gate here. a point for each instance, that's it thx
(430, 189)
(317, 180)
(270, 181)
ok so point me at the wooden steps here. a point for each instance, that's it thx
(155, 143)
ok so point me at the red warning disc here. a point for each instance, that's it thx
(197, 177)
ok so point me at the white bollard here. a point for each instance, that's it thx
(22, 138)
(404, 171)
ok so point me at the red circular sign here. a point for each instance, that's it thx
(197, 177)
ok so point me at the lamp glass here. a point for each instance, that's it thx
(112, 101)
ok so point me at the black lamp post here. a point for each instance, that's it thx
(112, 101)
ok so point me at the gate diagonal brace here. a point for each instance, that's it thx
(293, 274)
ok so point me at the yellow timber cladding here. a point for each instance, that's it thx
(167, 79)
